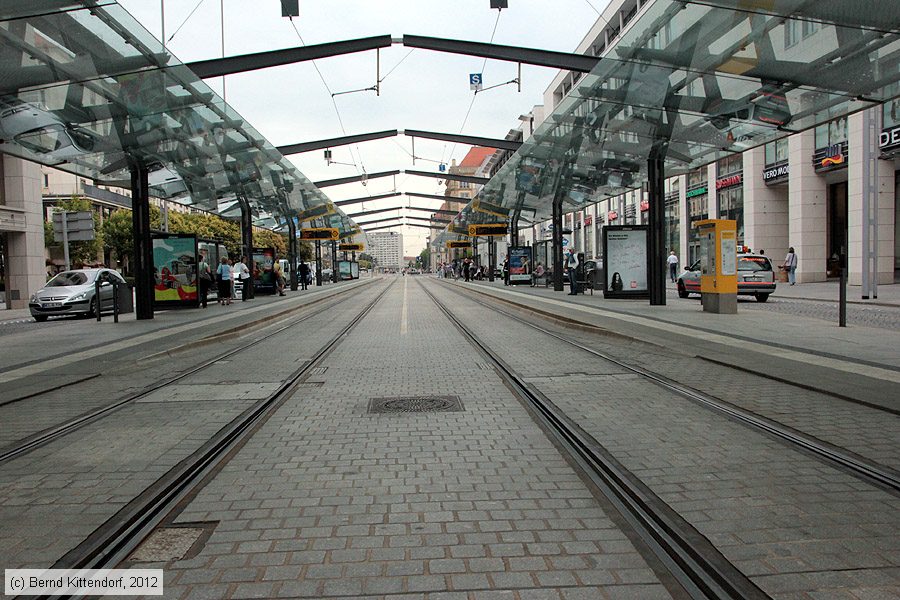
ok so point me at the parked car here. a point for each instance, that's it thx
(754, 272)
(73, 293)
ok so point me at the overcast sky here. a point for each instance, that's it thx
(428, 90)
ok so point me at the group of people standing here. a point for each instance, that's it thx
(230, 277)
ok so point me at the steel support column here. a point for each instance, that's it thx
(142, 263)
(246, 243)
(557, 238)
(292, 253)
(334, 262)
(318, 263)
(492, 257)
(656, 249)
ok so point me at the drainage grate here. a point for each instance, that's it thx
(417, 404)
(317, 370)
(312, 383)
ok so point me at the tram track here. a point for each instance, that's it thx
(45, 436)
(827, 452)
(115, 539)
(698, 567)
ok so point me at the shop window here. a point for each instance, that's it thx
(777, 151)
(833, 132)
(891, 113)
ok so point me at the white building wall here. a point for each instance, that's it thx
(26, 270)
(765, 209)
(807, 209)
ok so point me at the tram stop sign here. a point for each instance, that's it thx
(320, 233)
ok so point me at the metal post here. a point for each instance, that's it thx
(842, 314)
(115, 286)
(65, 232)
(97, 298)
(656, 273)
(246, 244)
(292, 253)
(143, 248)
(556, 242)
(334, 262)
(318, 263)
(492, 258)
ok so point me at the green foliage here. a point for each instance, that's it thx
(86, 252)
(425, 259)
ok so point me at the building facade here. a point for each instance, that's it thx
(386, 247)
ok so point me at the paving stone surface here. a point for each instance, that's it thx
(790, 522)
(329, 500)
(53, 497)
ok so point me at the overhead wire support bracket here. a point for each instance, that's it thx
(490, 87)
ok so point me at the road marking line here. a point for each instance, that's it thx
(404, 312)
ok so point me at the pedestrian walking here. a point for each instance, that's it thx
(279, 277)
(506, 270)
(304, 274)
(242, 277)
(790, 265)
(224, 275)
(572, 266)
(465, 269)
(204, 279)
(672, 261)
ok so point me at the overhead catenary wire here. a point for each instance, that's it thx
(357, 161)
(472, 103)
(191, 14)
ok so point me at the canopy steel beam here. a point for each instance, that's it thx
(529, 56)
(332, 142)
(216, 67)
(464, 139)
(436, 211)
(372, 212)
(384, 227)
(355, 178)
(428, 220)
(451, 177)
(438, 197)
(425, 226)
(366, 199)
(378, 221)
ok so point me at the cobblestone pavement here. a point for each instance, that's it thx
(52, 498)
(799, 528)
(328, 500)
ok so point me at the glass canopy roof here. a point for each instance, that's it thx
(693, 81)
(86, 88)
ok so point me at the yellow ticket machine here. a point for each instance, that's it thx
(718, 265)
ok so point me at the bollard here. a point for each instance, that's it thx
(115, 286)
(842, 305)
(97, 297)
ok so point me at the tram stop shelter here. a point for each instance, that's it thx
(689, 82)
(87, 89)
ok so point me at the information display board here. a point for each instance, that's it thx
(351, 247)
(263, 269)
(459, 244)
(625, 261)
(495, 229)
(521, 265)
(174, 270)
(320, 233)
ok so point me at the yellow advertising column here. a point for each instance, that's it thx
(718, 265)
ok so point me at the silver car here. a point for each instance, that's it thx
(73, 293)
(754, 274)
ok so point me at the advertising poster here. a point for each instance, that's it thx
(175, 270)
(354, 270)
(521, 264)
(263, 269)
(625, 255)
(344, 270)
(528, 176)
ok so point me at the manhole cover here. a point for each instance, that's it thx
(173, 543)
(409, 404)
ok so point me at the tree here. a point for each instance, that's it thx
(425, 258)
(83, 252)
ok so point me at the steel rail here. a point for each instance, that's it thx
(698, 567)
(836, 456)
(45, 436)
(113, 541)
